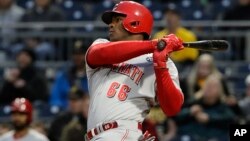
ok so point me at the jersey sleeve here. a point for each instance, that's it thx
(173, 73)
(90, 70)
(169, 94)
(174, 76)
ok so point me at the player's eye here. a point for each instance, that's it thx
(118, 19)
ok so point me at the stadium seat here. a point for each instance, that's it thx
(45, 112)
(68, 6)
(219, 7)
(4, 113)
(101, 7)
(26, 4)
(244, 69)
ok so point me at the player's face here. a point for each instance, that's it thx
(172, 20)
(116, 29)
(42, 3)
(23, 60)
(204, 69)
(79, 59)
(19, 120)
(248, 90)
(212, 90)
(75, 105)
(5, 3)
(85, 107)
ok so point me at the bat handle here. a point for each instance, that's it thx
(161, 45)
(186, 44)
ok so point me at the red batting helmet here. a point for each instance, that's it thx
(138, 18)
(22, 105)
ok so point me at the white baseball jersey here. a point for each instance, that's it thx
(31, 136)
(123, 91)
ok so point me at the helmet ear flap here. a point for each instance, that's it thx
(134, 24)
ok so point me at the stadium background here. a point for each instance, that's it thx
(80, 21)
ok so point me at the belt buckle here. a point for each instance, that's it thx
(107, 126)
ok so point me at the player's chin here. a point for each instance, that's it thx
(112, 38)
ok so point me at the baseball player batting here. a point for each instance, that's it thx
(127, 75)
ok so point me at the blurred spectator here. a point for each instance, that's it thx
(245, 102)
(203, 67)
(170, 131)
(44, 10)
(173, 25)
(150, 127)
(10, 14)
(24, 81)
(238, 13)
(43, 49)
(77, 104)
(72, 75)
(74, 130)
(21, 118)
(88, 11)
(4, 128)
(158, 125)
(154, 120)
(207, 118)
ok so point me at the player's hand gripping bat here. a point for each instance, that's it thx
(207, 45)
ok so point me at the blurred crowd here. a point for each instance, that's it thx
(60, 103)
(26, 11)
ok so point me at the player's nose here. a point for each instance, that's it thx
(111, 24)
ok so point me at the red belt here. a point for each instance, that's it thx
(105, 127)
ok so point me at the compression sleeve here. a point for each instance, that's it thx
(117, 52)
(169, 96)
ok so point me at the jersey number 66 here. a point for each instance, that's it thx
(123, 92)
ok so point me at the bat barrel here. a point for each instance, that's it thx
(209, 45)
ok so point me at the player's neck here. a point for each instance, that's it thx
(172, 30)
(134, 37)
(21, 133)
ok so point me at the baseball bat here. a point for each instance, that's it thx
(207, 45)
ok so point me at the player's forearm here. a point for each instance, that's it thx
(169, 97)
(117, 52)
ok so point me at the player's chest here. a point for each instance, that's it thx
(135, 69)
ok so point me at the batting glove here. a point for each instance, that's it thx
(173, 43)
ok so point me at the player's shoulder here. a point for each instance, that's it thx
(100, 40)
(37, 136)
(7, 136)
